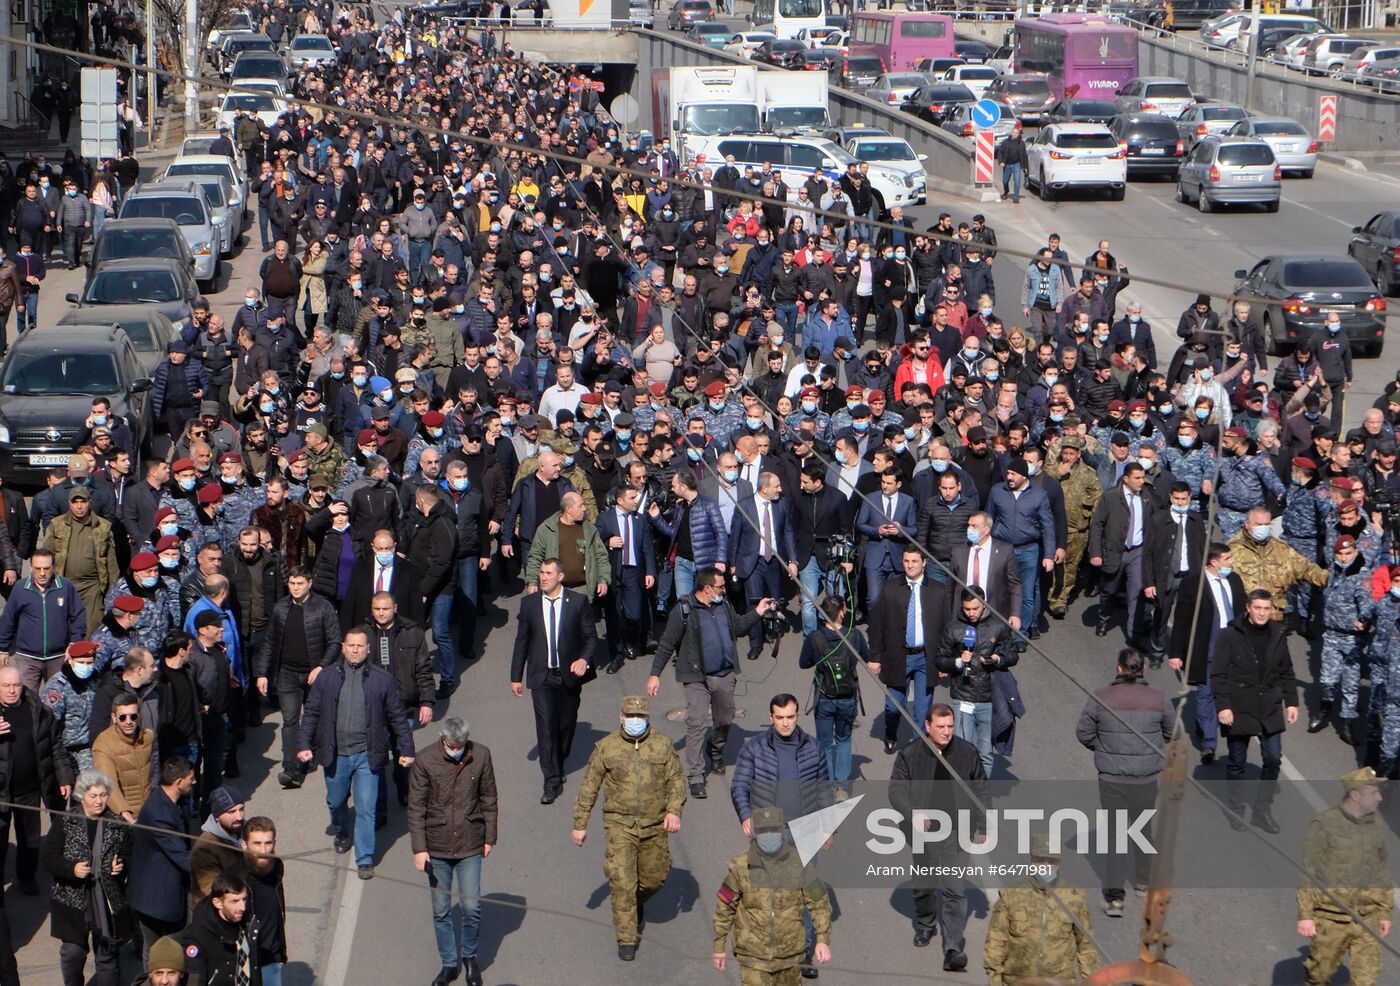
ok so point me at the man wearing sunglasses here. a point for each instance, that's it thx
(123, 752)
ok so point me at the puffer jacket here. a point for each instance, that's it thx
(1114, 723)
(756, 777)
(974, 682)
(452, 803)
(320, 622)
(709, 538)
(127, 761)
(195, 380)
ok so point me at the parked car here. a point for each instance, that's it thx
(1329, 52)
(310, 51)
(1204, 119)
(686, 12)
(1273, 40)
(710, 34)
(1064, 156)
(1294, 147)
(185, 202)
(1081, 111)
(1230, 171)
(1028, 95)
(1288, 51)
(122, 239)
(224, 204)
(782, 52)
(639, 14)
(212, 164)
(1155, 94)
(1384, 75)
(937, 66)
(1151, 141)
(1189, 14)
(895, 87)
(1376, 247)
(746, 42)
(1299, 290)
(811, 37)
(975, 77)
(957, 119)
(972, 51)
(268, 109)
(855, 72)
(932, 103)
(1362, 57)
(150, 299)
(1299, 22)
(47, 383)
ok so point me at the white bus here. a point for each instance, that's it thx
(786, 17)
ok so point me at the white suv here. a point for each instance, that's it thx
(1077, 155)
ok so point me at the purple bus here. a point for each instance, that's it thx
(1081, 55)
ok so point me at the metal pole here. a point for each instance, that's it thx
(1254, 17)
(191, 65)
(151, 65)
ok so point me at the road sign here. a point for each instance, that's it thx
(982, 159)
(98, 91)
(1327, 119)
(986, 114)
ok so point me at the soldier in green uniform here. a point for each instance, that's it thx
(642, 802)
(1345, 851)
(1032, 935)
(762, 899)
(1080, 485)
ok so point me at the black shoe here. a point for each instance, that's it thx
(1207, 757)
(922, 936)
(1263, 818)
(473, 970)
(809, 971)
(628, 654)
(890, 745)
(231, 767)
(443, 691)
(698, 791)
(1058, 612)
(365, 872)
(754, 653)
(615, 665)
(1318, 722)
(1101, 628)
(716, 764)
(448, 974)
(548, 795)
(343, 844)
(289, 779)
(1345, 732)
(627, 952)
(1035, 633)
(1235, 816)
(954, 960)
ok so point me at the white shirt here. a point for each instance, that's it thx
(981, 554)
(1182, 564)
(915, 603)
(1221, 588)
(624, 523)
(1134, 501)
(552, 606)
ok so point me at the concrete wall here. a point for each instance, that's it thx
(949, 164)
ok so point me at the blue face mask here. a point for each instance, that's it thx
(769, 842)
(1226, 571)
(1185, 441)
(169, 563)
(568, 461)
(1202, 413)
(1136, 423)
(460, 485)
(991, 376)
(842, 457)
(149, 581)
(267, 407)
(337, 374)
(730, 475)
(170, 530)
(1057, 418)
(186, 484)
(1206, 375)
(860, 427)
(754, 423)
(1395, 591)
(717, 405)
(1135, 319)
(455, 755)
(359, 380)
(693, 454)
(251, 302)
(986, 312)
(1260, 532)
(973, 535)
(83, 671)
(1167, 409)
(98, 420)
(1181, 511)
(809, 406)
(634, 726)
(385, 558)
(1334, 327)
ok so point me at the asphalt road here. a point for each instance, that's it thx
(547, 907)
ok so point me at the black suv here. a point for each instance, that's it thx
(47, 383)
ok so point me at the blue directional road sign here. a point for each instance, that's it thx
(986, 114)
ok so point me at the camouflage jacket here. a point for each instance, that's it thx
(71, 705)
(1193, 467)
(1082, 491)
(159, 616)
(1272, 565)
(1031, 935)
(1348, 597)
(1384, 616)
(761, 899)
(1304, 519)
(641, 781)
(1346, 854)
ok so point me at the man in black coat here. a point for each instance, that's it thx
(1196, 631)
(922, 780)
(1117, 534)
(555, 636)
(904, 635)
(399, 647)
(432, 541)
(222, 932)
(36, 738)
(818, 513)
(1172, 551)
(1256, 694)
(383, 570)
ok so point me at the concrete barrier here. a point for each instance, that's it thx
(949, 163)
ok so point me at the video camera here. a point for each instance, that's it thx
(1386, 500)
(840, 548)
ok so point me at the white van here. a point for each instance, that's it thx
(1236, 35)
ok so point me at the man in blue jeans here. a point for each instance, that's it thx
(452, 826)
(1021, 516)
(353, 712)
(818, 514)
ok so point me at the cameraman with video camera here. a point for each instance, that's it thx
(819, 533)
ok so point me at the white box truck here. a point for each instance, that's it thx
(691, 103)
(794, 100)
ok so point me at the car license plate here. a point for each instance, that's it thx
(49, 460)
(1248, 179)
(1156, 151)
(1090, 161)
(1288, 147)
(1334, 308)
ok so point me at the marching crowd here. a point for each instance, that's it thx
(671, 405)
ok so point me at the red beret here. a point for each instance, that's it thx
(129, 604)
(715, 389)
(230, 457)
(1236, 432)
(298, 456)
(181, 465)
(658, 389)
(855, 391)
(810, 392)
(1116, 405)
(1345, 541)
(1303, 462)
(167, 542)
(82, 648)
(365, 437)
(590, 398)
(433, 419)
(1137, 406)
(146, 559)
(209, 494)
(163, 513)
(877, 395)
(1345, 483)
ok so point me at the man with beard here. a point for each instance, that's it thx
(262, 872)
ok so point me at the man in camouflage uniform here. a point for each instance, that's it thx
(1383, 653)
(1192, 462)
(324, 458)
(1268, 563)
(762, 899)
(724, 416)
(1242, 482)
(1344, 606)
(117, 635)
(1304, 521)
(1080, 486)
(808, 409)
(1040, 928)
(69, 694)
(160, 612)
(84, 552)
(642, 802)
(240, 499)
(1345, 852)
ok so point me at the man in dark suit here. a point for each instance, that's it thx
(1117, 534)
(991, 565)
(632, 554)
(759, 541)
(1196, 630)
(555, 636)
(887, 521)
(383, 571)
(906, 625)
(818, 513)
(1171, 552)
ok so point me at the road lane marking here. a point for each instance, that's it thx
(1292, 773)
(343, 941)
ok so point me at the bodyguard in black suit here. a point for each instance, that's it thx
(904, 640)
(402, 579)
(996, 572)
(555, 636)
(1195, 631)
(759, 543)
(1117, 534)
(632, 554)
(1175, 545)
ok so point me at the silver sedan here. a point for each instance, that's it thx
(1294, 148)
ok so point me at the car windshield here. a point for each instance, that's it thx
(883, 150)
(199, 169)
(121, 244)
(1243, 155)
(185, 211)
(897, 81)
(1279, 128)
(710, 120)
(862, 64)
(976, 72)
(802, 117)
(1168, 90)
(248, 102)
(258, 68)
(311, 43)
(1325, 274)
(1223, 113)
(1092, 107)
(1086, 141)
(1029, 87)
(41, 374)
(126, 287)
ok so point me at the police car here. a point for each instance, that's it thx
(798, 156)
